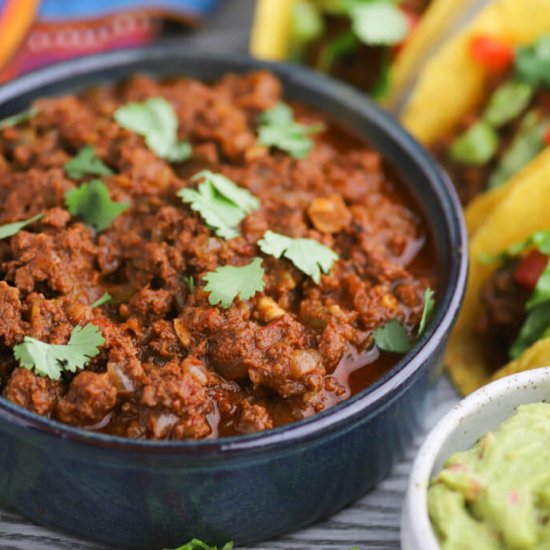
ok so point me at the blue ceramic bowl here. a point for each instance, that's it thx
(146, 494)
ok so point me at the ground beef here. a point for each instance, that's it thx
(36, 393)
(90, 398)
(173, 366)
(503, 312)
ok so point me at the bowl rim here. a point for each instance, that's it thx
(400, 375)
(416, 499)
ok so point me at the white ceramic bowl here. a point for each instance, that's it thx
(459, 430)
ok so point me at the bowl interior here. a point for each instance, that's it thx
(459, 430)
(430, 189)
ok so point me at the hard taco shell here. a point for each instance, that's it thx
(270, 37)
(524, 209)
(482, 206)
(452, 84)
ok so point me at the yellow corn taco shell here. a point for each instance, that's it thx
(271, 35)
(434, 25)
(271, 29)
(524, 209)
(482, 206)
(452, 84)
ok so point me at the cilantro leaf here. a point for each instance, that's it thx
(229, 282)
(197, 544)
(534, 328)
(239, 196)
(50, 359)
(309, 256)
(221, 203)
(102, 300)
(277, 128)
(525, 145)
(508, 101)
(532, 62)
(476, 146)
(379, 23)
(429, 304)
(86, 163)
(92, 203)
(392, 337)
(10, 229)
(156, 121)
(16, 119)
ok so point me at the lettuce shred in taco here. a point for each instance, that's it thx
(509, 127)
(358, 41)
(481, 101)
(515, 300)
(504, 323)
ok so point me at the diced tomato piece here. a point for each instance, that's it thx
(547, 136)
(412, 18)
(495, 55)
(530, 269)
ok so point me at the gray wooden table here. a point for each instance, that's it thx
(372, 522)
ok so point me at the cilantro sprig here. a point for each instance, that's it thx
(86, 163)
(392, 337)
(308, 255)
(277, 128)
(14, 120)
(196, 544)
(91, 201)
(51, 360)
(227, 283)
(102, 300)
(156, 121)
(429, 304)
(221, 203)
(10, 229)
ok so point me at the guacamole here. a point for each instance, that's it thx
(497, 494)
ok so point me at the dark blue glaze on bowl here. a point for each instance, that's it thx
(145, 494)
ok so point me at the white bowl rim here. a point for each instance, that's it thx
(416, 498)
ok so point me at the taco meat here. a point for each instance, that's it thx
(503, 302)
(189, 345)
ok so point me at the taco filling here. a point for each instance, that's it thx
(353, 40)
(515, 301)
(509, 128)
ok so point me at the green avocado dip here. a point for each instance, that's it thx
(497, 494)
